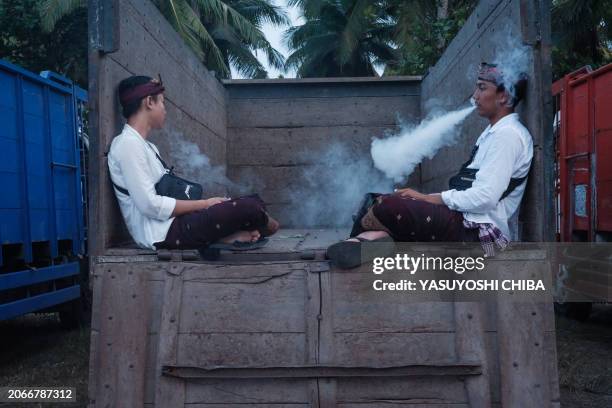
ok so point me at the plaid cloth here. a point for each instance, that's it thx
(489, 236)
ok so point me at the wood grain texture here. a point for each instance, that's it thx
(169, 392)
(311, 112)
(121, 342)
(523, 362)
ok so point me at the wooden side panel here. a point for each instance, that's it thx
(317, 137)
(310, 112)
(524, 365)
(300, 314)
(195, 102)
(451, 83)
(248, 392)
(470, 345)
(169, 392)
(120, 360)
(401, 392)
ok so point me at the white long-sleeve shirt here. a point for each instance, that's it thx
(133, 165)
(504, 151)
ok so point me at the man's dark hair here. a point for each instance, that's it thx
(519, 90)
(128, 84)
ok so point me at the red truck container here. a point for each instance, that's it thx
(583, 131)
(583, 186)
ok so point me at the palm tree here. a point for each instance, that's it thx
(340, 38)
(222, 33)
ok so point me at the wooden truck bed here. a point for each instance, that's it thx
(278, 327)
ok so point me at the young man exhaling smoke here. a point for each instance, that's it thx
(157, 221)
(481, 198)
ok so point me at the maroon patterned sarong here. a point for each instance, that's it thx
(409, 220)
(201, 228)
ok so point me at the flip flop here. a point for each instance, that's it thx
(240, 246)
(349, 254)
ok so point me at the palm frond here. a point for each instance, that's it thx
(51, 11)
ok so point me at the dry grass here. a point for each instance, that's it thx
(585, 360)
(35, 351)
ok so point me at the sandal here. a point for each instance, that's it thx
(240, 246)
(350, 254)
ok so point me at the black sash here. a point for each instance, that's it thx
(465, 177)
(171, 185)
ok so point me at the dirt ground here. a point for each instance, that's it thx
(584, 351)
(35, 351)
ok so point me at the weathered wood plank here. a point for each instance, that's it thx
(327, 392)
(169, 392)
(150, 371)
(327, 386)
(241, 349)
(442, 390)
(452, 368)
(313, 317)
(322, 87)
(122, 338)
(523, 362)
(276, 304)
(251, 405)
(306, 112)
(289, 146)
(398, 404)
(470, 345)
(359, 308)
(379, 349)
(237, 391)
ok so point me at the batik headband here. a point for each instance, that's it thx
(490, 73)
(153, 87)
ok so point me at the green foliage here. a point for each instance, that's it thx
(424, 31)
(227, 33)
(340, 38)
(222, 33)
(51, 11)
(349, 37)
(581, 33)
(24, 42)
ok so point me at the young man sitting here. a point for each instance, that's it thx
(476, 211)
(155, 221)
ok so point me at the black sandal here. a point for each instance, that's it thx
(240, 246)
(350, 254)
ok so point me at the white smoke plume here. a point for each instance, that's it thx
(398, 155)
(512, 57)
(194, 165)
(329, 193)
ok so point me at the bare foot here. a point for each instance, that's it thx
(240, 236)
(370, 235)
(271, 228)
(255, 235)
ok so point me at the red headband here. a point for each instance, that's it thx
(152, 87)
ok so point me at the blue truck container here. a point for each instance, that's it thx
(42, 224)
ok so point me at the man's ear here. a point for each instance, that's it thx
(147, 102)
(503, 98)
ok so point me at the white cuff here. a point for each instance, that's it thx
(447, 198)
(167, 208)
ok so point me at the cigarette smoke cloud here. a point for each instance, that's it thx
(194, 165)
(398, 155)
(329, 193)
(513, 58)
